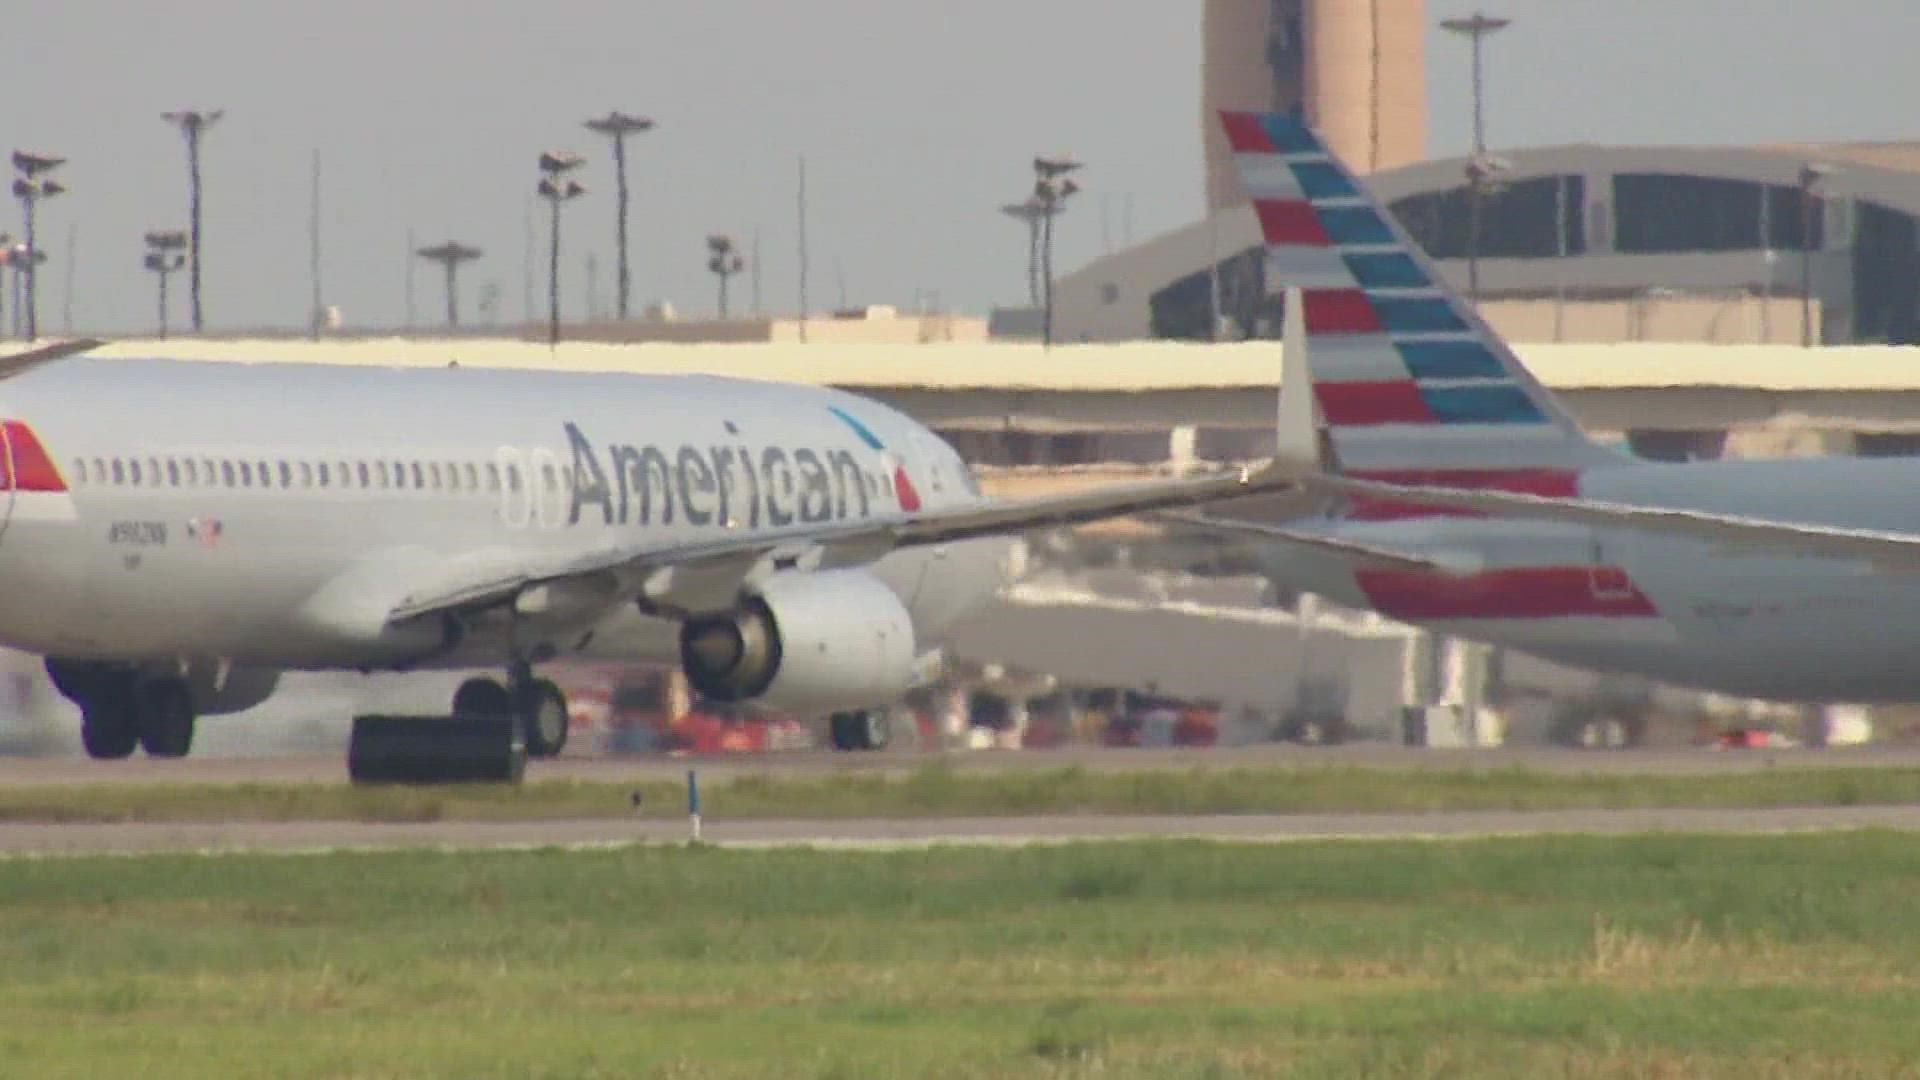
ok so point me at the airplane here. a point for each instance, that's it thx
(1450, 490)
(173, 535)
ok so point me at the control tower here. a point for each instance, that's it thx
(1356, 68)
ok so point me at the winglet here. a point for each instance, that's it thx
(1297, 424)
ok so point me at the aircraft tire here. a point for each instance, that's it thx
(543, 717)
(109, 728)
(482, 698)
(163, 716)
(865, 729)
(435, 750)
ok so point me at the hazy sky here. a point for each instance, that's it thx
(917, 121)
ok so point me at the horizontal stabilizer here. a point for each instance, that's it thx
(1886, 550)
(1370, 555)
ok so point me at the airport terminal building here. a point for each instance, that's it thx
(1578, 243)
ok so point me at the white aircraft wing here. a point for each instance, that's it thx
(1898, 551)
(710, 575)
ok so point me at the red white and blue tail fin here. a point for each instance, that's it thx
(1412, 386)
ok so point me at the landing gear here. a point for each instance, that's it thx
(108, 727)
(537, 704)
(494, 729)
(121, 709)
(866, 729)
(542, 710)
(164, 715)
(481, 698)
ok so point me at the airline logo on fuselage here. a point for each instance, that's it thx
(731, 484)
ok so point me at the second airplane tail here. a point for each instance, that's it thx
(1412, 387)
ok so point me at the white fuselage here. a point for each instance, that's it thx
(229, 511)
(1746, 622)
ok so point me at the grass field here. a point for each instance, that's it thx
(1566, 957)
(938, 790)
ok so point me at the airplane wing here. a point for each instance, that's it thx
(20, 363)
(1883, 549)
(710, 575)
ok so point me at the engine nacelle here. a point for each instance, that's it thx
(806, 642)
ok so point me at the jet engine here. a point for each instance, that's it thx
(805, 642)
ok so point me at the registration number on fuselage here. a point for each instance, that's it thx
(138, 533)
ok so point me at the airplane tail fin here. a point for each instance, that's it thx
(1411, 386)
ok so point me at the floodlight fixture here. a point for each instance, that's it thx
(1476, 29)
(557, 189)
(193, 123)
(450, 255)
(617, 126)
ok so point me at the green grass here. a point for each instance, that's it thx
(938, 790)
(1568, 957)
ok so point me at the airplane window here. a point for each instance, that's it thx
(80, 469)
(208, 464)
(306, 474)
(433, 475)
(473, 477)
(419, 478)
(226, 473)
(286, 475)
(187, 465)
(382, 470)
(266, 475)
(321, 473)
(364, 479)
(513, 478)
(173, 472)
(246, 474)
(100, 470)
(119, 471)
(153, 471)
(133, 472)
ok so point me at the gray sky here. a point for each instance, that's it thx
(917, 121)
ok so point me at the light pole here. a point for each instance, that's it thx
(1051, 189)
(450, 255)
(1476, 28)
(556, 187)
(30, 186)
(617, 126)
(164, 256)
(192, 124)
(1030, 212)
(1812, 175)
(724, 262)
(1481, 170)
(6, 260)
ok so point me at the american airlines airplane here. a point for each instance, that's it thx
(1455, 493)
(173, 535)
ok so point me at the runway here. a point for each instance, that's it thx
(330, 768)
(51, 839)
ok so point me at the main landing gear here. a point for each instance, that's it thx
(123, 708)
(866, 729)
(494, 729)
(537, 704)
